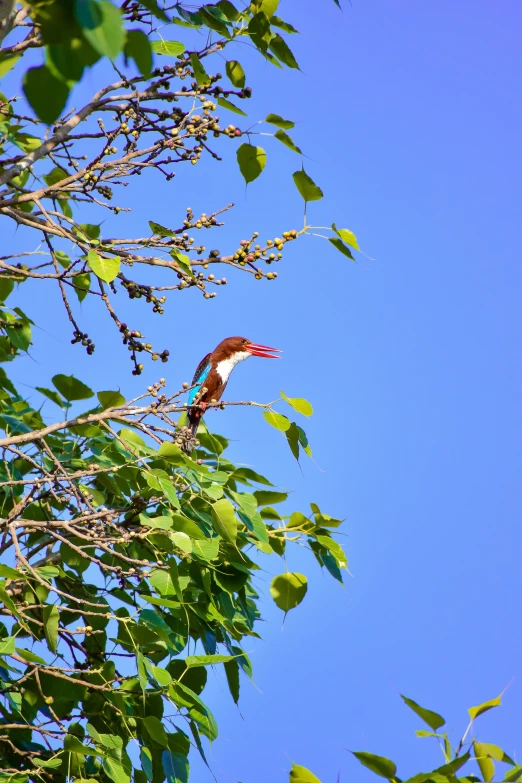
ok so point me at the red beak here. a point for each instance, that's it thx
(263, 350)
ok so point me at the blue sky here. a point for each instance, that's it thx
(409, 115)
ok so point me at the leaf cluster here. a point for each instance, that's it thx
(458, 761)
(155, 111)
(129, 567)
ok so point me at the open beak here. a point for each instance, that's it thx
(263, 350)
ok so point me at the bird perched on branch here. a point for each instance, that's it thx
(212, 374)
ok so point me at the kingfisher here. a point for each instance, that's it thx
(212, 374)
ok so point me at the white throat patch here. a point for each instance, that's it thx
(225, 367)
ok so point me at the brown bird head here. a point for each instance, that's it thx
(241, 345)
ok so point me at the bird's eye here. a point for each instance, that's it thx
(243, 341)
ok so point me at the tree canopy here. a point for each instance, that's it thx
(127, 566)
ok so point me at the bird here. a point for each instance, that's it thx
(212, 374)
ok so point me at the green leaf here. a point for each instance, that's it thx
(7, 62)
(139, 49)
(102, 26)
(432, 719)
(514, 775)
(298, 404)
(267, 497)
(62, 258)
(214, 19)
(306, 186)
(161, 676)
(285, 139)
(183, 261)
(146, 761)
(71, 388)
(16, 427)
(302, 775)
(182, 541)
(168, 48)
(5, 383)
(110, 399)
(164, 602)
(251, 160)
(337, 552)
(73, 745)
(229, 10)
(118, 770)
(160, 230)
(51, 620)
(19, 334)
(175, 767)
(56, 175)
(133, 440)
(484, 761)
(48, 571)
(156, 523)
(226, 104)
(171, 452)
(288, 590)
(495, 752)
(276, 420)
(207, 548)
(246, 501)
(162, 582)
(275, 119)
(153, 7)
(268, 7)
(48, 763)
(46, 94)
(232, 675)
(11, 573)
(92, 230)
(27, 143)
(292, 437)
(105, 268)
(378, 764)
(206, 660)
(282, 51)
(287, 28)
(474, 712)
(347, 236)
(341, 247)
(82, 284)
(7, 645)
(6, 288)
(29, 656)
(52, 395)
(236, 73)
(200, 75)
(224, 519)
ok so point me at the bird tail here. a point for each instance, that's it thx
(189, 436)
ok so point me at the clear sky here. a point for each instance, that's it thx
(410, 116)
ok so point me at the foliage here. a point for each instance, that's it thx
(474, 759)
(128, 567)
(154, 109)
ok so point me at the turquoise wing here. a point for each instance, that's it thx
(199, 378)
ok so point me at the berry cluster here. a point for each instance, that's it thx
(138, 291)
(84, 339)
(133, 340)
